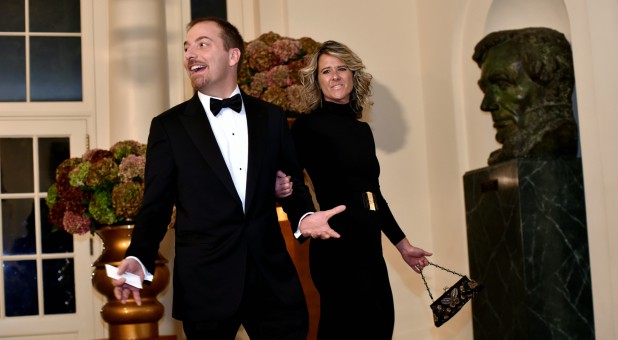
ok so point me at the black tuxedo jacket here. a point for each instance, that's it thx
(214, 237)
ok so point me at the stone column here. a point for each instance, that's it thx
(138, 91)
(138, 67)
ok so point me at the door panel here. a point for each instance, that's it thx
(45, 279)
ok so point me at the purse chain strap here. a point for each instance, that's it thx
(445, 269)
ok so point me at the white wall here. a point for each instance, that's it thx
(131, 118)
(594, 32)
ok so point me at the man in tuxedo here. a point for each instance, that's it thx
(216, 161)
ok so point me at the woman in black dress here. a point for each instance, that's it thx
(338, 152)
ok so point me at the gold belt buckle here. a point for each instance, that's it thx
(370, 201)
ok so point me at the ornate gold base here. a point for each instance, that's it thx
(162, 337)
(128, 321)
(134, 331)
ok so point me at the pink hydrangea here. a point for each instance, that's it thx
(286, 49)
(271, 65)
(275, 95)
(279, 76)
(293, 98)
(260, 56)
(132, 168)
(81, 199)
(260, 81)
(75, 223)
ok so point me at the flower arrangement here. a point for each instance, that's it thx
(270, 68)
(103, 187)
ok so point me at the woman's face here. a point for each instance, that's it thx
(335, 79)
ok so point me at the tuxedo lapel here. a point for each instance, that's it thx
(196, 123)
(257, 127)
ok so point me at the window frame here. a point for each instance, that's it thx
(86, 106)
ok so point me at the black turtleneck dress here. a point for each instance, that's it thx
(338, 152)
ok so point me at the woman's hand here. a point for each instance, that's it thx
(283, 185)
(414, 257)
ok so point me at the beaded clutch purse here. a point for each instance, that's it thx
(454, 298)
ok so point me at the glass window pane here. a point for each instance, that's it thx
(12, 16)
(18, 229)
(54, 240)
(20, 288)
(13, 69)
(16, 167)
(59, 286)
(62, 16)
(52, 151)
(56, 68)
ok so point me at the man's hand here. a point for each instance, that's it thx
(123, 290)
(316, 224)
(283, 185)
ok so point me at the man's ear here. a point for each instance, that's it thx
(234, 55)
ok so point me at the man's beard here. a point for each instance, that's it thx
(537, 122)
(198, 83)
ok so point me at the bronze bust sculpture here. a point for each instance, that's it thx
(527, 79)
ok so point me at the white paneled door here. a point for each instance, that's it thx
(45, 287)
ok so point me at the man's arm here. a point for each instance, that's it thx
(151, 225)
(157, 205)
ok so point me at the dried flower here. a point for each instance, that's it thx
(293, 98)
(76, 223)
(132, 168)
(279, 76)
(275, 95)
(260, 56)
(259, 82)
(270, 68)
(285, 49)
(103, 187)
(126, 199)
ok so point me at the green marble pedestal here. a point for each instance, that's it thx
(528, 243)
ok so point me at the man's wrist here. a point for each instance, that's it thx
(147, 275)
(297, 233)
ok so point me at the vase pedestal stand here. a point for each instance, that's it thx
(163, 337)
(128, 321)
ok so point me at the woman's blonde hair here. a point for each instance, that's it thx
(311, 95)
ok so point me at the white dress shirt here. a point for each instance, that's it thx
(230, 129)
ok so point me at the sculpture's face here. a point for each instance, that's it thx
(508, 91)
(335, 79)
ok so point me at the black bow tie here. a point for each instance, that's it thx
(234, 103)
